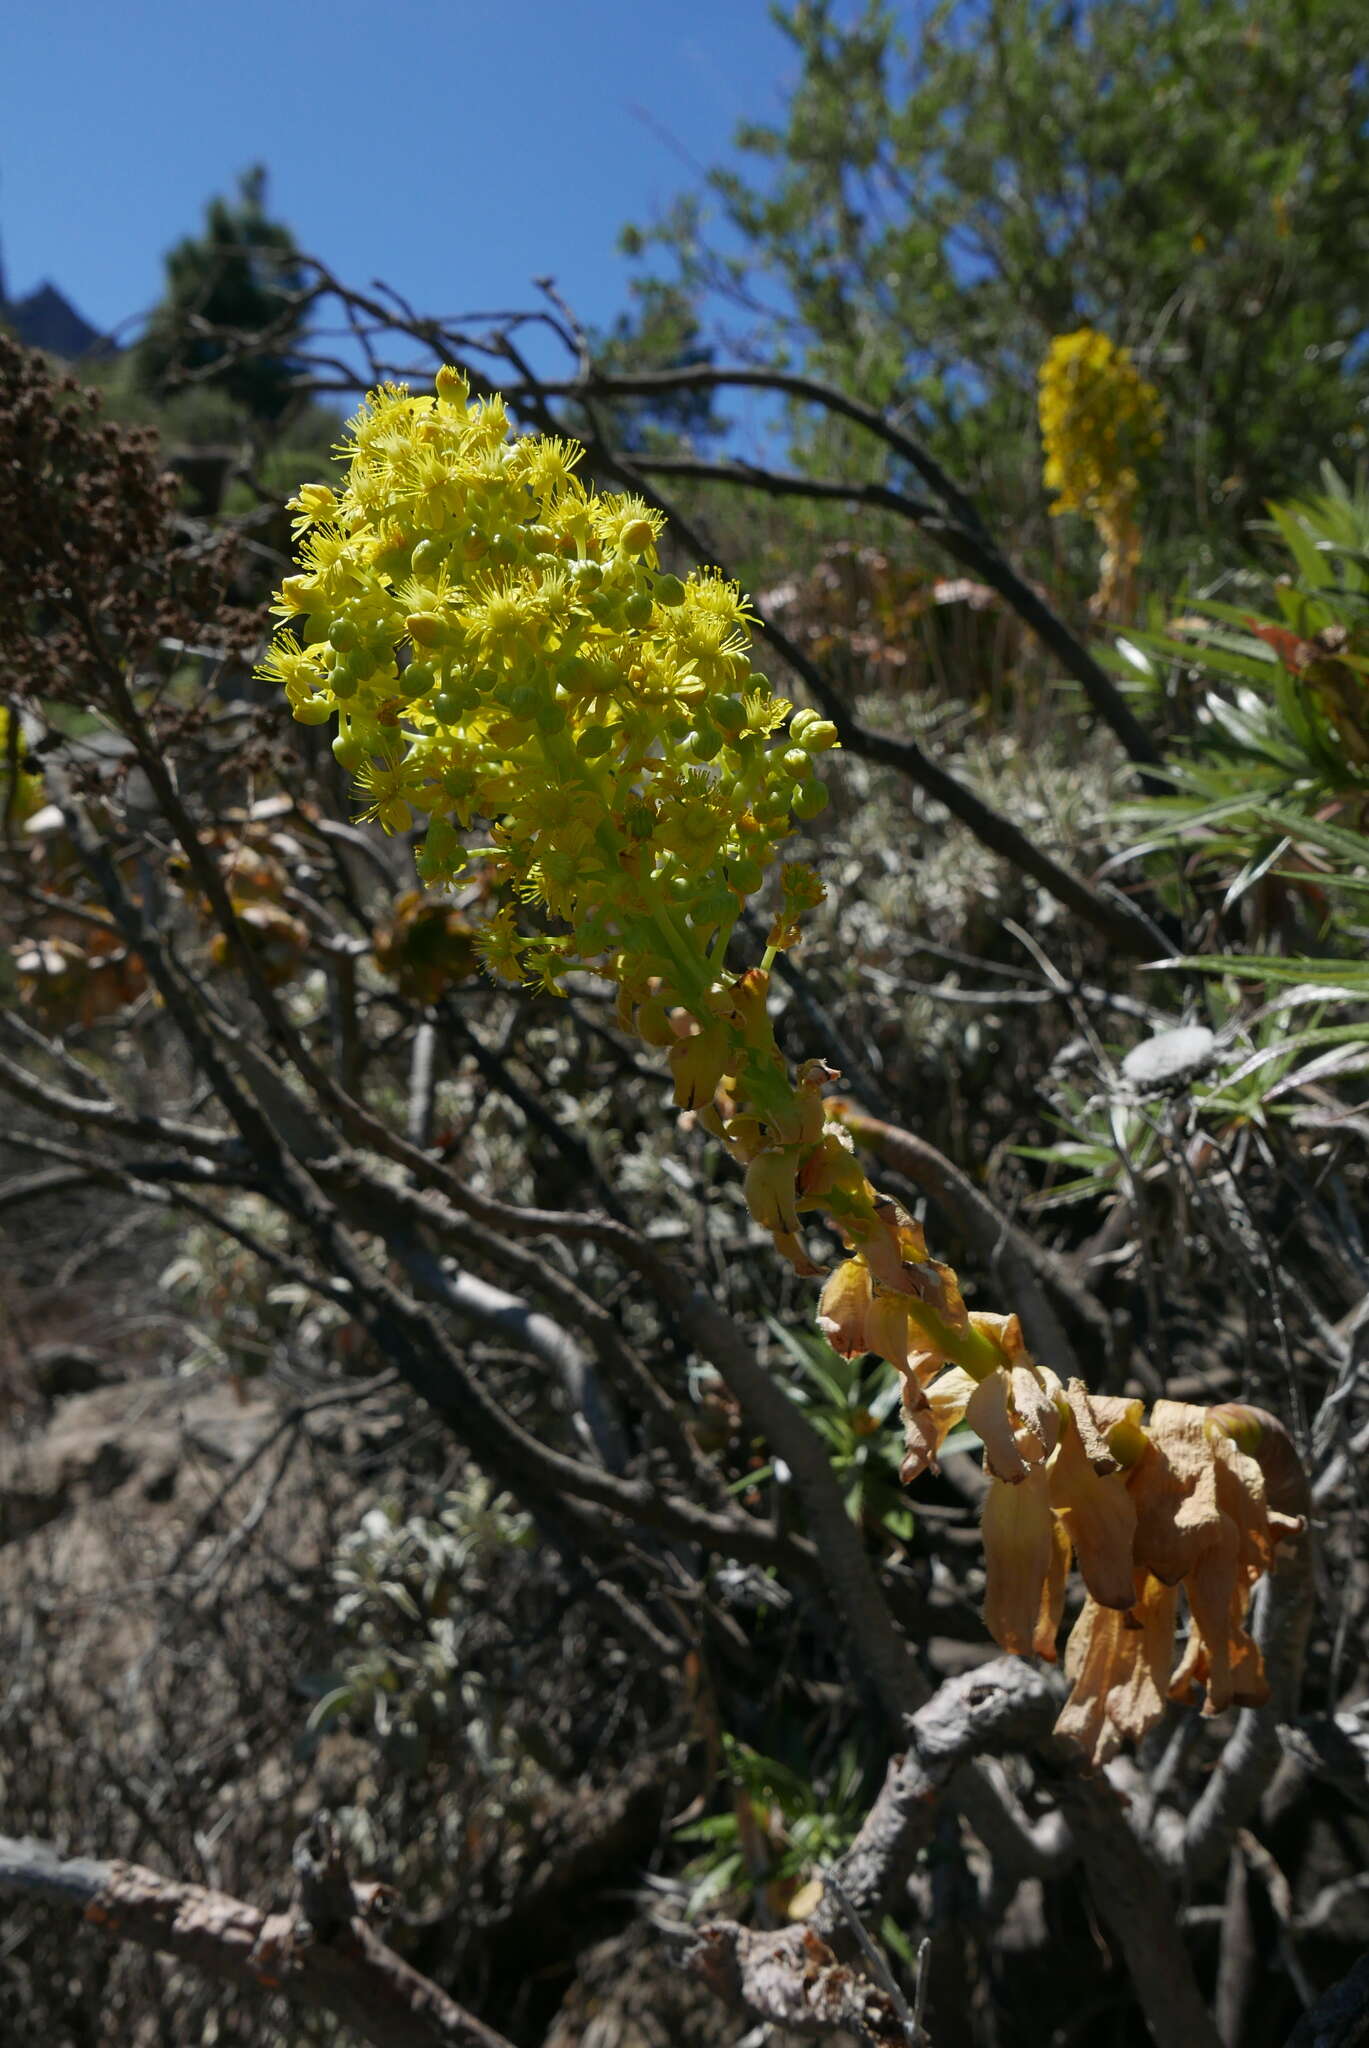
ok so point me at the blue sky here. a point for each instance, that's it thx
(455, 150)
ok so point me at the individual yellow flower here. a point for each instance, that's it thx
(1119, 1660)
(1088, 1489)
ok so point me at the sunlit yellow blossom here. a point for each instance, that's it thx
(522, 625)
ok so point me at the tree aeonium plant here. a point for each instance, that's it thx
(1100, 425)
(497, 642)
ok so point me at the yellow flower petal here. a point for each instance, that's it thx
(1019, 1555)
(990, 1415)
(843, 1307)
(930, 1417)
(1099, 1517)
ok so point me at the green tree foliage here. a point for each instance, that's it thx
(243, 275)
(947, 192)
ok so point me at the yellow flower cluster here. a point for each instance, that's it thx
(496, 641)
(1100, 423)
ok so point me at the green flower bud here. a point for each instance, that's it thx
(637, 610)
(669, 590)
(312, 711)
(424, 629)
(594, 741)
(775, 802)
(812, 799)
(811, 731)
(428, 557)
(439, 851)
(344, 635)
(348, 752)
(729, 714)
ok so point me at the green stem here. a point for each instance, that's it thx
(717, 951)
(696, 975)
(976, 1353)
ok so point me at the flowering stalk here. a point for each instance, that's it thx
(1100, 422)
(497, 642)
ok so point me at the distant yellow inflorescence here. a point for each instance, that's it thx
(1100, 424)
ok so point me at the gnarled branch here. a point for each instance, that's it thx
(320, 1953)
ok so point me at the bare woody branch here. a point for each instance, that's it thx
(1113, 916)
(1003, 1705)
(972, 548)
(1133, 1902)
(791, 1978)
(802, 1977)
(321, 1953)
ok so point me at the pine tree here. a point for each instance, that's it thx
(241, 277)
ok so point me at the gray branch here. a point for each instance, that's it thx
(1006, 1704)
(341, 1966)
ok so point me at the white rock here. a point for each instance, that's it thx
(1171, 1059)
